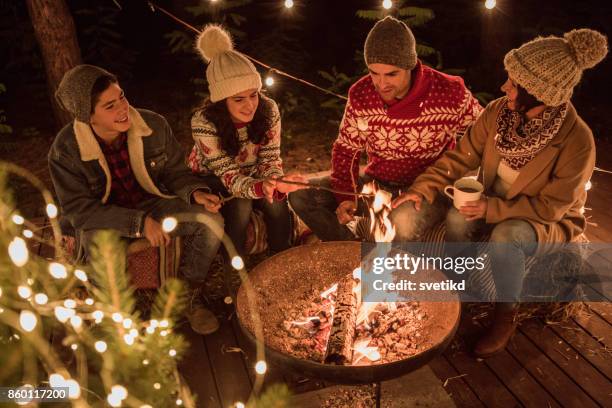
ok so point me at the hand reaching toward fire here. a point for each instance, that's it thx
(346, 211)
(287, 188)
(417, 199)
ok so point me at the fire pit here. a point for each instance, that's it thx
(280, 280)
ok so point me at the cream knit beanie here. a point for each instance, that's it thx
(549, 67)
(228, 72)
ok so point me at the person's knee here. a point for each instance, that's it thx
(456, 222)
(513, 232)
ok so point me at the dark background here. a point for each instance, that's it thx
(315, 35)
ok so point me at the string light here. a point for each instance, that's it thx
(150, 329)
(145, 362)
(169, 224)
(56, 380)
(89, 302)
(51, 210)
(179, 402)
(129, 340)
(74, 346)
(98, 315)
(18, 251)
(100, 346)
(70, 303)
(157, 386)
(27, 320)
(261, 367)
(57, 270)
(63, 314)
(387, 4)
(113, 400)
(18, 219)
(127, 323)
(163, 333)
(490, 4)
(288, 3)
(117, 318)
(74, 389)
(24, 291)
(172, 352)
(146, 406)
(119, 391)
(27, 233)
(76, 322)
(164, 323)
(237, 262)
(134, 333)
(269, 80)
(41, 298)
(80, 275)
(588, 185)
(239, 405)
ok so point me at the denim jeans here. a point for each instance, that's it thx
(317, 209)
(199, 243)
(512, 241)
(237, 213)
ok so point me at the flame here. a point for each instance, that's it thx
(380, 208)
(361, 350)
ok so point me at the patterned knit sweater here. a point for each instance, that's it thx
(243, 174)
(403, 139)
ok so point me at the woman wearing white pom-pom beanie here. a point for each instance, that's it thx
(536, 156)
(237, 134)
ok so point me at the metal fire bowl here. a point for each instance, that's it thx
(287, 275)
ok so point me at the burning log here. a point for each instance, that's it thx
(340, 343)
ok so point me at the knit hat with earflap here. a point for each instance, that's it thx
(74, 91)
(390, 42)
(228, 72)
(549, 67)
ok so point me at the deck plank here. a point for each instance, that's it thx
(557, 383)
(455, 384)
(197, 370)
(231, 377)
(570, 361)
(596, 327)
(482, 380)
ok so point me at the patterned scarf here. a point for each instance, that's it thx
(517, 142)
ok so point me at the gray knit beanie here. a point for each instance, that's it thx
(74, 91)
(390, 42)
(228, 72)
(550, 67)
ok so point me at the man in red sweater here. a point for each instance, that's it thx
(404, 115)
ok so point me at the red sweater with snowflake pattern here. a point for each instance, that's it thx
(403, 139)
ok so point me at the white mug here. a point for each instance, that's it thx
(458, 193)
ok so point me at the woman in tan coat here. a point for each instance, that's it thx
(536, 156)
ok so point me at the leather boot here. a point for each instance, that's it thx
(202, 320)
(497, 336)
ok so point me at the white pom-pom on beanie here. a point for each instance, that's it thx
(228, 72)
(550, 67)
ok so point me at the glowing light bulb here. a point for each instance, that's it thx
(157, 386)
(70, 303)
(98, 315)
(239, 405)
(169, 224)
(172, 352)
(51, 210)
(74, 389)
(63, 314)
(89, 302)
(164, 323)
(41, 298)
(117, 318)
(100, 346)
(237, 263)
(76, 322)
(588, 185)
(127, 323)
(134, 333)
(56, 380)
(18, 219)
(163, 333)
(27, 320)
(18, 251)
(80, 275)
(119, 391)
(113, 400)
(24, 291)
(179, 402)
(57, 270)
(269, 81)
(74, 346)
(150, 329)
(387, 4)
(288, 3)
(129, 340)
(145, 362)
(27, 233)
(490, 4)
(261, 367)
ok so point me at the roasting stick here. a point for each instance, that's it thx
(309, 185)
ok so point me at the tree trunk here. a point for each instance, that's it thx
(56, 36)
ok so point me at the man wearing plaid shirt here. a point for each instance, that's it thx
(119, 168)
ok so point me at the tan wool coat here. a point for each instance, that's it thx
(549, 192)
